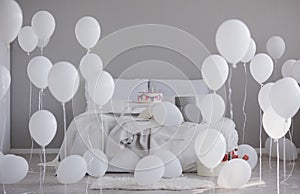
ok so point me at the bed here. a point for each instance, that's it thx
(125, 138)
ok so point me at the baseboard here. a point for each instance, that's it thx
(34, 151)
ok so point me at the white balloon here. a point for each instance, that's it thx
(210, 147)
(264, 96)
(149, 170)
(87, 31)
(248, 150)
(250, 53)
(296, 71)
(226, 126)
(233, 40)
(12, 169)
(97, 163)
(43, 24)
(38, 69)
(290, 149)
(275, 47)
(261, 67)
(212, 107)
(214, 71)
(173, 167)
(275, 125)
(234, 174)
(71, 169)
(125, 159)
(287, 68)
(101, 87)
(11, 19)
(42, 127)
(90, 64)
(285, 97)
(42, 43)
(5, 80)
(192, 113)
(27, 39)
(63, 81)
(167, 114)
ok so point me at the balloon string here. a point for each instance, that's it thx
(40, 101)
(212, 179)
(42, 49)
(244, 103)
(66, 189)
(293, 163)
(102, 145)
(4, 115)
(44, 164)
(29, 116)
(270, 153)
(278, 191)
(65, 129)
(230, 93)
(292, 128)
(3, 134)
(4, 123)
(41, 173)
(275, 65)
(87, 185)
(284, 162)
(3, 186)
(260, 147)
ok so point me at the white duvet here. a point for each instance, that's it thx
(126, 140)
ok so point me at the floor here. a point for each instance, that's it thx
(30, 185)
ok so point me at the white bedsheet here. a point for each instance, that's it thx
(132, 136)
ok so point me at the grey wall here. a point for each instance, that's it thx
(200, 18)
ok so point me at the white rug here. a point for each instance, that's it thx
(128, 183)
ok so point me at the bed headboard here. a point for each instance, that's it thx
(160, 76)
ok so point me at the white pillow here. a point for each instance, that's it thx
(125, 90)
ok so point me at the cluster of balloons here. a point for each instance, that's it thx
(39, 33)
(100, 87)
(100, 83)
(261, 65)
(280, 101)
(234, 43)
(73, 168)
(150, 169)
